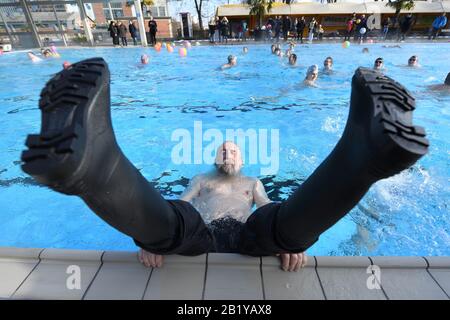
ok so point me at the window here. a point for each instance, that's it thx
(116, 9)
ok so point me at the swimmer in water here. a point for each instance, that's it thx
(232, 61)
(272, 48)
(365, 50)
(144, 59)
(379, 64)
(288, 53)
(33, 57)
(66, 65)
(47, 53)
(311, 76)
(76, 153)
(244, 50)
(413, 61)
(293, 59)
(278, 52)
(328, 64)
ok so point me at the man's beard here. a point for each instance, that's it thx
(227, 169)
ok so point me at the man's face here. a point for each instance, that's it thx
(327, 63)
(228, 159)
(378, 64)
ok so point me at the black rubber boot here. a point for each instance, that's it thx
(76, 153)
(379, 141)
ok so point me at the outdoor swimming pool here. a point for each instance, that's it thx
(405, 215)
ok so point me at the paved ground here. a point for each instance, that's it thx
(56, 274)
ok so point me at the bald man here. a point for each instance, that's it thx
(224, 198)
(76, 153)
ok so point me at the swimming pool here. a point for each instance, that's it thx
(407, 214)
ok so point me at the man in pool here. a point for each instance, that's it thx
(293, 59)
(413, 61)
(328, 65)
(378, 64)
(232, 61)
(224, 198)
(144, 59)
(311, 76)
(76, 153)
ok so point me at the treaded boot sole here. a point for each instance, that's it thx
(54, 156)
(399, 143)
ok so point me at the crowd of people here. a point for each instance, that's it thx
(118, 32)
(312, 72)
(357, 28)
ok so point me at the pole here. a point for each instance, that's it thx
(140, 18)
(86, 25)
(63, 36)
(30, 21)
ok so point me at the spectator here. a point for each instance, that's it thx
(114, 32)
(437, 25)
(300, 26)
(312, 29)
(320, 32)
(385, 31)
(212, 29)
(225, 29)
(123, 33)
(133, 32)
(153, 29)
(405, 26)
(286, 27)
(349, 28)
(244, 30)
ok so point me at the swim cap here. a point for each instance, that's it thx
(230, 57)
(313, 69)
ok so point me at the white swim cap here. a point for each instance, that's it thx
(313, 69)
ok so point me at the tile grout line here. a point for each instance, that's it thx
(95, 276)
(146, 285)
(428, 271)
(381, 286)
(262, 278)
(204, 278)
(23, 281)
(318, 277)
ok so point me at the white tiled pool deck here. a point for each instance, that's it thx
(44, 274)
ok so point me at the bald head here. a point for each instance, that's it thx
(228, 159)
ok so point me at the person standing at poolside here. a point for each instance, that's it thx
(278, 25)
(123, 34)
(212, 29)
(385, 31)
(153, 29)
(405, 26)
(225, 29)
(114, 32)
(312, 29)
(286, 27)
(300, 26)
(437, 25)
(133, 32)
(244, 30)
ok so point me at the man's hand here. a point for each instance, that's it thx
(292, 261)
(149, 259)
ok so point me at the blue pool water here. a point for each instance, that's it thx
(407, 214)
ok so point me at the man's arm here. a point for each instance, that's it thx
(259, 194)
(192, 190)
